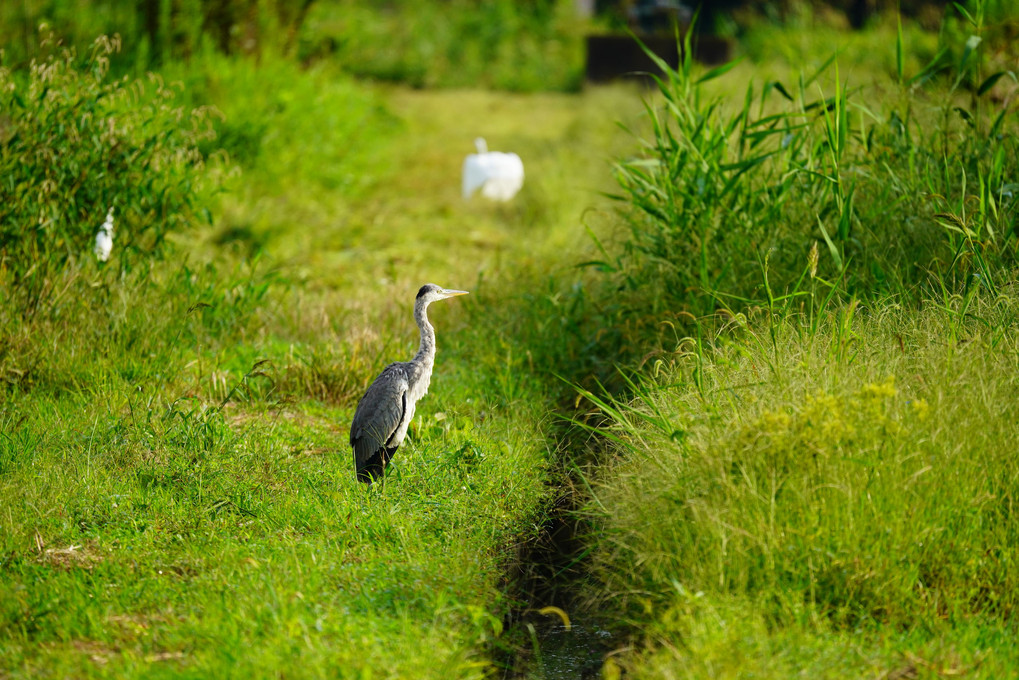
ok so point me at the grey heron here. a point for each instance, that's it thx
(387, 407)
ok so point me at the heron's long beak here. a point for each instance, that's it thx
(446, 292)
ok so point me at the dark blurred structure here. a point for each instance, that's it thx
(655, 16)
(614, 56)
(857, 12)
(660, 26)
(656, 23)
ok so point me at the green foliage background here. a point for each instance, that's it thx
(76, 144)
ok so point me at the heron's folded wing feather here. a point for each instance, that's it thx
(379, 413)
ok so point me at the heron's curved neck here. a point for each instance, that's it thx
(426, 352)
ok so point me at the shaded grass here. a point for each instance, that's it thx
(504, 45)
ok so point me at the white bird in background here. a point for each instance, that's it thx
(104, 238)
(499, 175)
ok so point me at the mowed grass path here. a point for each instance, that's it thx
(177, 485)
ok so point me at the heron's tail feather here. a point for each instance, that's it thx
(373, 468)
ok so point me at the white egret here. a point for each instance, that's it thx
(104, 239)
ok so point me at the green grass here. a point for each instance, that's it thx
(886, 168)
(817, 478)
(500, 44)
(810, 469)
(837, 503)
(521, 47)
(138, 538)
(179, 494)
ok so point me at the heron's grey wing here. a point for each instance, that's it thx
(379, 413)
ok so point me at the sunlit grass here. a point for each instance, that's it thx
(177, 533)
(822, 487)
(177, 481)
(845, 490)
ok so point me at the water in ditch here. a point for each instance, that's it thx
(552, 634)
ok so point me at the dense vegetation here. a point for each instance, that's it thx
(789, 314)
(520, 46)
(836, 503)
(815, 473)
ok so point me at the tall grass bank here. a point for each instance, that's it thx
(838, 502)
(811, 469)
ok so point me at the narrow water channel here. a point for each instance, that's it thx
(542, 646)
(569, 654)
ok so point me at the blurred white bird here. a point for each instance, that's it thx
(104, 238)
(499, 175)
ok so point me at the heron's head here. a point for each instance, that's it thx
(429, 293)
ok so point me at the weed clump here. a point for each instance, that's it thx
(76, 144)
(728, 193)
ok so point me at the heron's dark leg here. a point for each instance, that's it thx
(374, 467)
